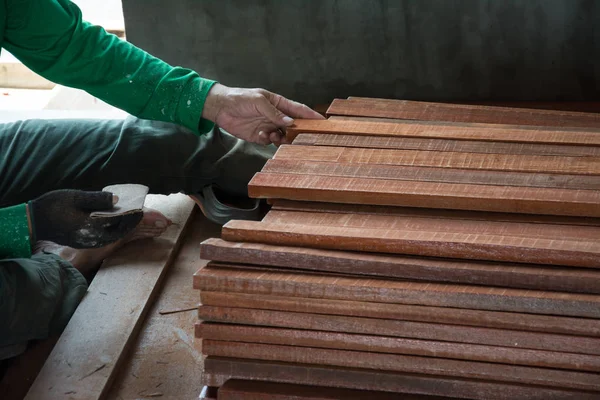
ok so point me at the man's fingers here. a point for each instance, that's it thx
(293, 108)
(278, 138)
(94, 201)
(278, 118)
(263, 138)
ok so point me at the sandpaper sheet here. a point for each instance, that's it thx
(131, 200)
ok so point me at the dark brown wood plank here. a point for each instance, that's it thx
(442, 159)
(405, 364)
(256, 281)
(432, 174)
(218, 370)
(403, 312)
(581, 203)
(447, 145)
(525, 276)
(425, 111)
(257, 390)
(575, 253)
(394, 345)
(453, 131)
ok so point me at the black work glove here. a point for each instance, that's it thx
(63, 217)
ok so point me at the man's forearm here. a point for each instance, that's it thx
(53, 41)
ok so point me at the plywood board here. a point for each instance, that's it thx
(458, 196)
(431, 174)
(432, 144)
(87, 356)
(441, 159)
(405, 364)
(425, 111)
(452, 131)
(394, 345)
(536, 277)
(575, 253)
(406, 329)
(404, 312)
(219, 370)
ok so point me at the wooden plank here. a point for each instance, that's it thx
(218, 370)
(425, 111)
(393, 345)
(445, 145)
(91, 349)
(444, 130)
(405, 364)
(163, 358)
(432, 174)
(443, 159)
(404, 312)
(575, 253)
(581, 203)
(400, 328)
(525, 276)
(315, 206)
(425, 223)
(232, 279)
(256, 390)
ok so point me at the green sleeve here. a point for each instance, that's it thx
(14, 234)
(50, 37)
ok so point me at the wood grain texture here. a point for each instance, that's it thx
(432, 174)
(218, 370)
(575, 253)
(425, 111)
(448, 145)
(404, 312)
(581, 203)
(405, 329)
(442, 159)
(392, 345)
(257, 390)
(535, 277)
(405, 364)
(91, 349)
(452, 131)
(232, 279)
(441, 214)
(426, 223)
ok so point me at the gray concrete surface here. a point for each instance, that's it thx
(315, 50)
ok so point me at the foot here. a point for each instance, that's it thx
(153, 224)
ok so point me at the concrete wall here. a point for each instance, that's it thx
(315, 50)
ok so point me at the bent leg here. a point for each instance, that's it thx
(37, 298)
(39, 156)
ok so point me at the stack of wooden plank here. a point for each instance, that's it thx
(416, 248)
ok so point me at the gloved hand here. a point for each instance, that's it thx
(63, 217)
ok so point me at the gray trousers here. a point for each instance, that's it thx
(39, 295)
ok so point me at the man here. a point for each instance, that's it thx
(185, 152)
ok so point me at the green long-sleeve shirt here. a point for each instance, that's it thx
(50, 37)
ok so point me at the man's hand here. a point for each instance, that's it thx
(255, 115)
(63, 217)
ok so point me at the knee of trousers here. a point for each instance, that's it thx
(38, 296)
